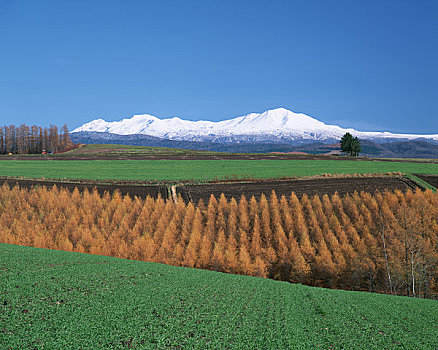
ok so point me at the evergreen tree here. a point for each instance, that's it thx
(350, 145)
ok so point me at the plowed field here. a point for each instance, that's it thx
(431, 179)
(234, 189)
(139, 190)
(310, 187)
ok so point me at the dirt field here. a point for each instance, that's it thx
(431, 179)
(310, 187)
(132, 189)
(234, 189)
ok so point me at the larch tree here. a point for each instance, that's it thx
(192, 250)
(187, 223)
(218, 260)
(211, 216)
(259, 268)
(244, 220)
(266, 232)
(244, 259)
(299, 268)
(232, 223)
(205, 252)
(256, 245)
(324, 268)
(231, 260)
(253, 208)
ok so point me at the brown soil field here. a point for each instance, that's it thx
(430, 179)
(310, 187)
(139, 190)
(192, 192)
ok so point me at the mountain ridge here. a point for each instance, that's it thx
(272, 125)
(275, 125)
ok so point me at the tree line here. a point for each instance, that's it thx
(382, 242)
(34, 139)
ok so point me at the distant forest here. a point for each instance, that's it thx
(34, 139)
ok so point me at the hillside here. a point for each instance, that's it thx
(60, 300)
(396, 149)
(93, 137)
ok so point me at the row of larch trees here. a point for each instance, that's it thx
(34, 139)
(385, 242)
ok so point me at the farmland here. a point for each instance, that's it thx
(200, 170)
(126, 151)
(315, 186)
(133, 189)
(325, 241)
(195, 192)
(65, 300)
(430, 179)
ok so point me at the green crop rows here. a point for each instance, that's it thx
(58, 300)
(199, 169)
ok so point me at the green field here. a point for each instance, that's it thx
(58, 300)
(199, 169)
(127, 150)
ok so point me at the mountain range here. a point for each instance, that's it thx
(276, 130)
(276, 125)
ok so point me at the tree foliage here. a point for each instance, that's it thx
(350, 145)
(34, 139)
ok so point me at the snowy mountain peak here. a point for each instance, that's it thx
(272, 125)
(285, 118)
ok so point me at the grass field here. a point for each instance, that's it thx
(199, 169)
(127, 150)
(59, 300)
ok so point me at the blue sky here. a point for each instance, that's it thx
(370, 65)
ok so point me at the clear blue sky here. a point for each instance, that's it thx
(363, 64)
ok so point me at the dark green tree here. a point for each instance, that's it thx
(355, 147)
(350, 145)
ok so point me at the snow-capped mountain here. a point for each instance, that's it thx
(274, 125)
